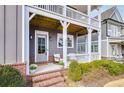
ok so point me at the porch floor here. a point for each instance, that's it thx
(48, 67)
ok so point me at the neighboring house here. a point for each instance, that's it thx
(33, 34)
(112, 34)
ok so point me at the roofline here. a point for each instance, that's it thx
(113, 20)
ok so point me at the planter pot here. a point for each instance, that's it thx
(32, 71)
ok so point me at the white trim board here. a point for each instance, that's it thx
(43, 33)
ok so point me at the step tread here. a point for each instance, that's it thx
(45, 76)
(60, 84)
(49, 82)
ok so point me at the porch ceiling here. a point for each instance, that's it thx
(49, 23)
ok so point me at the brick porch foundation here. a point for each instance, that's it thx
(48, 79)
(20, 66)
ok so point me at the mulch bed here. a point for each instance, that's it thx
(97, 78)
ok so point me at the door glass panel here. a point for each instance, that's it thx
(41, 45)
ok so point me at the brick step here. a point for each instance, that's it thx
(49, 82)
(60, 84)
(43, 77)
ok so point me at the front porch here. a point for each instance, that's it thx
(49, 36)
(77, 46)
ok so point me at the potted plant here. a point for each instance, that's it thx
(33, 68)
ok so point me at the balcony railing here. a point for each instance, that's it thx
(70, 13)
(76, 15)
(94, 22)
(58, 9)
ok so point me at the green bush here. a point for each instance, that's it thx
(85, 67)
(115, 68)
(10, 77)
(33, 66)
(112, 67)
(74, 72)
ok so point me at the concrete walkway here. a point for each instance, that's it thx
(116, 83)
(48, 67)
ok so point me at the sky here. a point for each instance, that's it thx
(120, 8)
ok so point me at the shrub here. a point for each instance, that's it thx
(85, 67)
(33, 66)
(112, 67)
(74, 72)
(115, 68)
(10, 77)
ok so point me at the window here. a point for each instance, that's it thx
(82, 48)
(113, 30)
(70, 41)
(82, 44)
(41, 45)
(94, 47)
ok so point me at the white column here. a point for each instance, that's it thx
(89, 14)
(64, 10)
(99, 43)
(89, 32)
(26, 40)
(99, 34)
(65, 26)
(89, 43)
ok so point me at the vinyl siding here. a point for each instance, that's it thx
(1, 34)
(10, 34)
(52, 42)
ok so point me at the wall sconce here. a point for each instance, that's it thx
(31, 36)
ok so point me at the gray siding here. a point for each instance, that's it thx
(10, 34)
(114, 17)
(1, 34)
(103, 29)
(52, 42)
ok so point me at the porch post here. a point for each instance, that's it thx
(89, 42)
(89, 32)
(65, 26)
(26, 40)
(99, 33)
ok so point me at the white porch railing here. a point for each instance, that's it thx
(94, 56)
(78, 57)
(52, 8)
(76, 15)
(70, 13)
(94, 22)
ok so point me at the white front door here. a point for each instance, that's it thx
(41, 46)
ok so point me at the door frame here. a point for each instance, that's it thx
(42, 33)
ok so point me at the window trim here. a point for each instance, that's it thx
(113, 30)
(70, 36)
(93, 46)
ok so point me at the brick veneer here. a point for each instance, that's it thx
(20, 66)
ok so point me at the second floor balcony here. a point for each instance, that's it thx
(73, 12)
